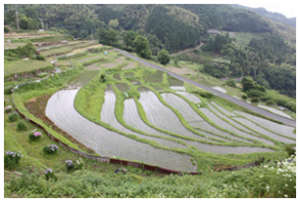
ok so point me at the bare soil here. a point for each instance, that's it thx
(37, 106)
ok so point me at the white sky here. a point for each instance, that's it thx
(287, 9)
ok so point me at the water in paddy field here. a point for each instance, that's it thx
(60, 110)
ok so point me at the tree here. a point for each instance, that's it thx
(248, 83)
(141, 45)
(114, 23)
(107, 37)
(163, 57)
(231, 82)
(129, 38)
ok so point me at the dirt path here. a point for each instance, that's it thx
(187, 50)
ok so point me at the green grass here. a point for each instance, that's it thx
(243, 38)
(12, 67)
(83, 78)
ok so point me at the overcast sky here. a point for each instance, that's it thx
(288, 9)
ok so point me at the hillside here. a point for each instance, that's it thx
(277, 17)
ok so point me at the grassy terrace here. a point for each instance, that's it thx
(98, 179)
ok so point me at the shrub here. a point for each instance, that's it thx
(13, 116)
(270, 102)
(40, 57)
(290, 150)
(7, 90)
(281, 178)
(50, 149)
(35, 135)
(244, 96)
(49, 174)
(77, 165)
(8, 108)
(231, 83)
(11, 159)
(204, 94)
(6, 30)
(254, 93)
(69, 165)
(21, 126)
(163, 57)
(255, 100)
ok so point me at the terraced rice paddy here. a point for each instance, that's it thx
(176, 84)
(107, 116)
(190, 96)
(154, 127)
(157, 77)
(60, 111)
(229, 127)
(123, 87)
(163, 117)
(275, 127)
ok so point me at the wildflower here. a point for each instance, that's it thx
(286, 185)
(21, 155)
(267, 188)
(285, 195)
(261, 176)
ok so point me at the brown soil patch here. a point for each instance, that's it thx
(130, 65)
(80, 50)
(179, 70)
(119, 60)
(87, 59)
(109, 65)
(37, 106)
(93, 67)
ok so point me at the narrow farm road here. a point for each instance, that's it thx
(271, 115)
(187, 50)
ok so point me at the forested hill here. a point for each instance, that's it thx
(277, 17)
(175, 26)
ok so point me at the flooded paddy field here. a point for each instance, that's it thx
(62, 113)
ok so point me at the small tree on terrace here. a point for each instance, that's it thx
(107, 37)
(141, 45)
(163, 57)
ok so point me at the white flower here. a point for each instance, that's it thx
(286, 185)
(286, 196)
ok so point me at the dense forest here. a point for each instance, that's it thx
(270, 60)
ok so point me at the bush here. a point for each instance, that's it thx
(204, 94)
(69, 165)
(254, 93)
(13, 116)
(21, 126)
(7, 90)
(231, 83)
(50, 149)
(270, 102)
(34, 136)
(49, 174)
(163, 57)
(290, 150)
(11, 159)
(255, 100)
(244, 96)
(6, 30)
(40, 57)
(76, 166)
(79, 164)
(8, 108)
